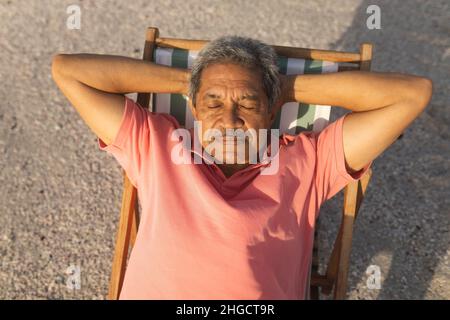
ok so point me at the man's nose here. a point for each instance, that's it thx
(230, 119)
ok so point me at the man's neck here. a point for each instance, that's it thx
(229, 169)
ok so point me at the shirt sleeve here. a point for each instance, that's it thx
(331, 172)
(131, 141)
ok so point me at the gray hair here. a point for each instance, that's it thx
(244, 51)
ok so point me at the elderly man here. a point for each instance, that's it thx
(224, 230)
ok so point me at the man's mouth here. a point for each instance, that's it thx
(228, 139)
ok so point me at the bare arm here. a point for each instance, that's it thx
(95, 85)
(383, 105)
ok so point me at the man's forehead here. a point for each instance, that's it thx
(220, 79)
(218, 94)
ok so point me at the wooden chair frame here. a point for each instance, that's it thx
(335, 278)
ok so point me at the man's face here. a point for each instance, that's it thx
(231, 97)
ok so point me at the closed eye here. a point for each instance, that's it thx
(246, 107)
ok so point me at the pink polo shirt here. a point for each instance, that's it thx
(205, 236)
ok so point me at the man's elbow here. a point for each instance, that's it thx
(58, 62)
(421, 91)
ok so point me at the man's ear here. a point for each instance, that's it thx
(193, 109)
(273, 113)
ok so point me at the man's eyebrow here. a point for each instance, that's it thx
(252, 97)
(211, 96)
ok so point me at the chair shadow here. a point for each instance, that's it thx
(405, 211)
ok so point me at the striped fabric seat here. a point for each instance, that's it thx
(292, 118)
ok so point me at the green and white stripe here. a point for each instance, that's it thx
(293, 117)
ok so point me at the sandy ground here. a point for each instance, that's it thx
(60, 195)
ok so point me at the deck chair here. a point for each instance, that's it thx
(292, 118)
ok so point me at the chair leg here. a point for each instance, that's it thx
(339, 260)
(353, 197)
(344, 256)
(127, 213)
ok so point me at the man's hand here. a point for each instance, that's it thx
(284, 87)
(284, 94)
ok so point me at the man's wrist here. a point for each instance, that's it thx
(180, 80)
(186, 76)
